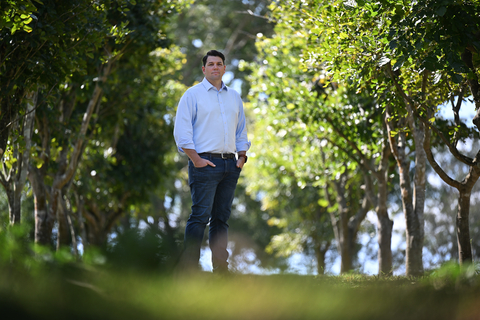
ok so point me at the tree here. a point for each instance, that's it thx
(364, 40)
(33, 58)
(445, 45)
(441, 209)
(321, 112)
(353, 40)
(82, 64)
(442, 55)
(291, 205)
(230, 26)
(17, 158)
(128, 159)
(305, 114)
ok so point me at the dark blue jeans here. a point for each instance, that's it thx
(212, 190)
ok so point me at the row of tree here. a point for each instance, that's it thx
(350, 90)
(342, 98)
(87, 97)
(89, 91)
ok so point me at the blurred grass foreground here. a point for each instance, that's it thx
(36, 283)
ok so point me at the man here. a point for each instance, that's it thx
(210, 128)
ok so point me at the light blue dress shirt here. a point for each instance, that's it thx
(211, 120)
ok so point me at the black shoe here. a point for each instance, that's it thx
(222, 271)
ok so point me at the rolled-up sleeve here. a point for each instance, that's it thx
(184, 119)
(241, 138)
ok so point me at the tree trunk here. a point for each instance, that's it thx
(63, 238)
(320, 252)
(463, 229)
(414, 218)
(380, 201)
(43, 221)
(15, 209)
(346, 252)
(346, 227)
(81, 220)
(21, 176)
(385, 226)
(413, 200)
(415, 221)
(17, 175)
(99, 223)
(463, 225)
(340, 229)
(413, 212)
(340, 226)
(13, 215)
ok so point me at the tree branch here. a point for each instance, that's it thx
(443, 175)
(62, 179)
(364, 162)
(453, 150)
(456, 115)
(347, 152)
(251, 13)
(410, 103)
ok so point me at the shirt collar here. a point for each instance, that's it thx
(209, 86)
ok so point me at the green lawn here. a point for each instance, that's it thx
(76, 293)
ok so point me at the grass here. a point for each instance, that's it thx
(36, 283)
(79, 293)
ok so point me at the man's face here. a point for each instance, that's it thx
(214, 69)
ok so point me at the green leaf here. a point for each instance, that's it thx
(40, 163)
(441, 11)
(323, 203)
(398, 64)
(457, 78)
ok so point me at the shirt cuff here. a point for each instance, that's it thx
(185, 146)
(243, 146)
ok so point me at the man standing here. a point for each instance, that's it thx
(210, 128)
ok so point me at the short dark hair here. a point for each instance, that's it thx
(213, 53)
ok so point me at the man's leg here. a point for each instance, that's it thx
(222, 207)
(203, 183)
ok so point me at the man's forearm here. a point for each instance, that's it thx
(198, 161)
(192, 154)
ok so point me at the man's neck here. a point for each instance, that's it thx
(216, 84)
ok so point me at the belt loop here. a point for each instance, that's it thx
(223, 157)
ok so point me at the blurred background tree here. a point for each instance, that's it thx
(88, 99)
(230, 26)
